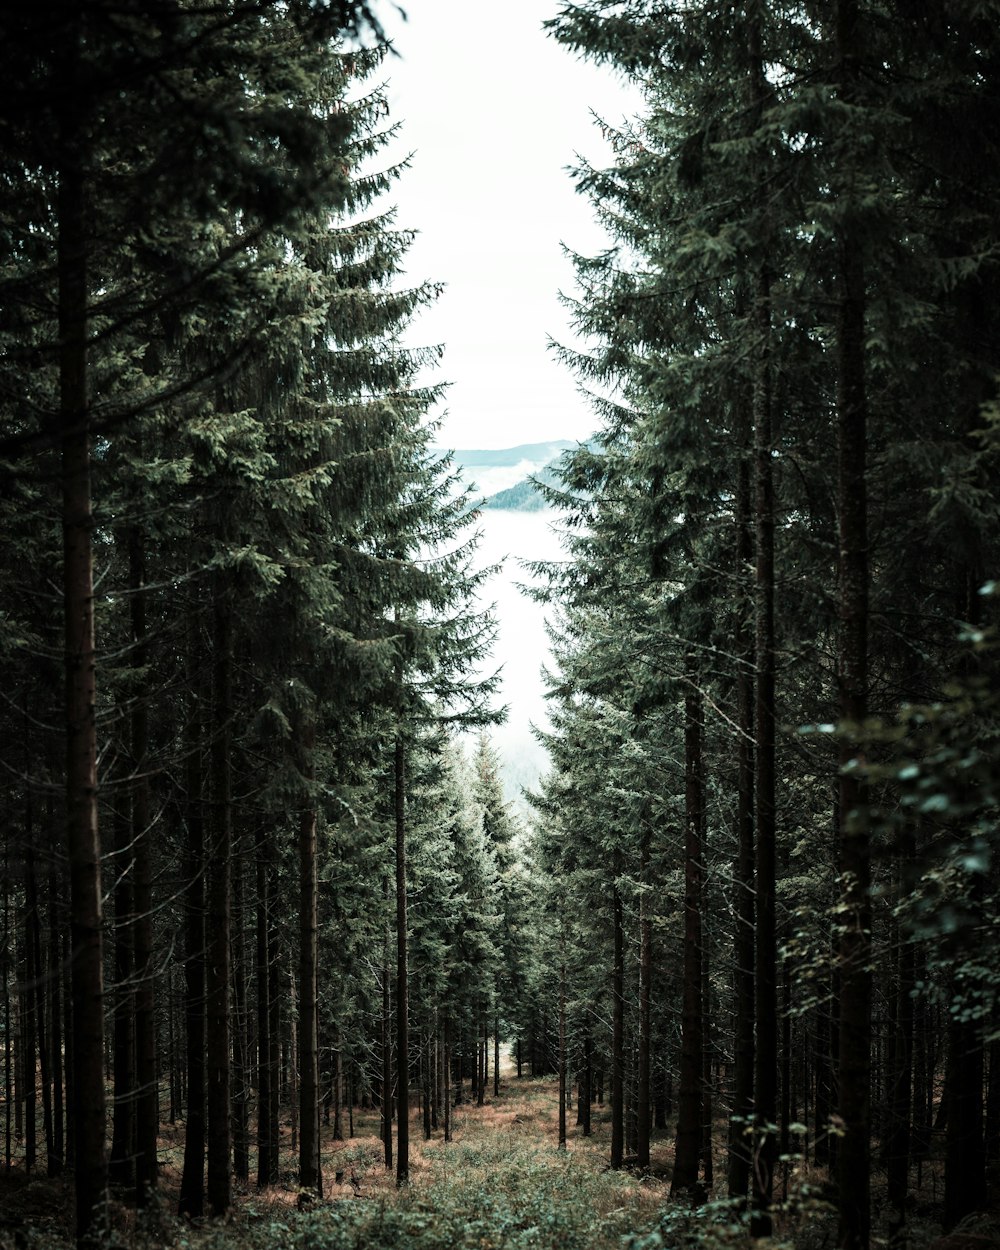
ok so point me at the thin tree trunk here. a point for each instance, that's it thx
(192, 1195)
(121, 1165)
(562, 1043)
(853, 1150)
(588, 1083)
(643, 1108)
(897, 1137)
(402, 991)
(740, 1131)
(386, 1095)
(8, 1076)
(496, 1054)
(219, 1188)
(274, 1014)
(618, 1023)
(83, 845)
(147, 1118)
(687, 1150)
(38, 980)
(28, 1062)
(447, 1079)
(55, 1011)
(766, 951)
(241, 1018)
(264, 1176)
(310, 1170)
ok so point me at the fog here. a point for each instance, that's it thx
(521, 646)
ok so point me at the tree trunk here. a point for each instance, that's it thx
(385, 1098)
(147, 1117)
(402, 992)
(83, 846)
(687, 1150)
(447, 1079)
(588, 1084)
(643, 1107)
(618, 1023)
(38, 978)
(897, 1137)
(264, 1074)
(853, 1151)
(765, 934)
(219, 1190)
(241, 1018)
(562, 1043)
(192, 1196)
(740, 1131)
(55, 1012)
(310, 1171)
(496, 1054)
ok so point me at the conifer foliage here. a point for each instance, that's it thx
(775, 592)
(267, 598)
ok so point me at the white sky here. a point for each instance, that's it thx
(494, 112)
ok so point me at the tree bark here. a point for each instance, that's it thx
(687, 1149)
(854, 1150)
(83, 846)
(618, 1023)
(765, 934)
(192, 1195)
(147, 1117)
(310, 1171)
(402, 991)
(740, 1131)
(219, 1190)
(643, 1108)
(264, 1073)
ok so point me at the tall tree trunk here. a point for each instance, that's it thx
(740, 1131)
(644, 1119)
(496, 1053)
(241, 1019)
(853, 1151)
(447, 1079)
(897, 1136)
(385, 1098)
(264, 1176)
(147, 1117)
(83, 845)
(192, 1195)
(274, 1013)
(562, 1041)
(402, 991)
(310, 1171)
(121, 1165)
(219, 1189)
(687, 1149)
(38, 980)
(8, 1057)
(27, 1057)
(55, 1008)
(765, 933)
(588, 1083)
(618, 1022)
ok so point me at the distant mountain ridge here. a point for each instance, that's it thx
(508, 457)
(504, 475)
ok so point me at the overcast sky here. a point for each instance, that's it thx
(494, 113)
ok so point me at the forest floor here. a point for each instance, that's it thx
(502, 1183)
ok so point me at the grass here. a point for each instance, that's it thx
(502, 1183)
